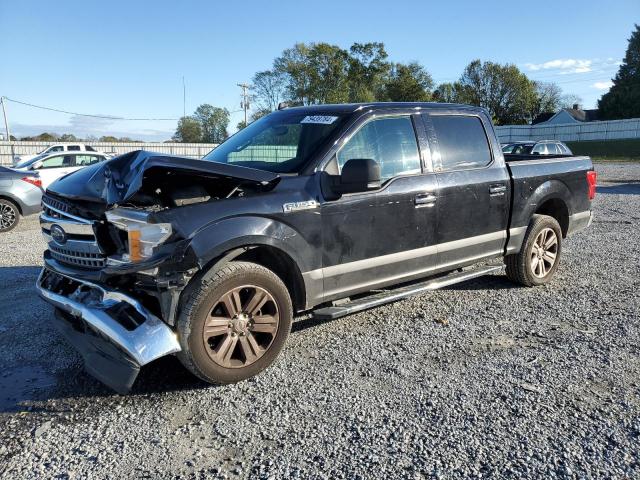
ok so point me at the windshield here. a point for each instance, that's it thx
(281, 142)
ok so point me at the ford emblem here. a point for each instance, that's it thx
(58, 234)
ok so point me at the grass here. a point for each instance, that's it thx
(627, 150)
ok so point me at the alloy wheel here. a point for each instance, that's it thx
(8, 216)
(241, 326)
(544, 252)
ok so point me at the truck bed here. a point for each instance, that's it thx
(536, 177)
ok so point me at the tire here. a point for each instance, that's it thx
(247, 312)
(9, 215)
(525, 267)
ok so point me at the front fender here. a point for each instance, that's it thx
(217, 238)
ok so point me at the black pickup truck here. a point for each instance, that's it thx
(326, 209)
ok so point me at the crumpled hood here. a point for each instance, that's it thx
(118, 179)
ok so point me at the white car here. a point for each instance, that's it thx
(20, 160)
(51, 167)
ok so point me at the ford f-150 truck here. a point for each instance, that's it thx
(326, 209)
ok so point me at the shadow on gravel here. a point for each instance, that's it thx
(622, 189)
(490, 282)
(10, 276)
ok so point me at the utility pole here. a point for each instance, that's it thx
(6, 126)
(245, 100)
(184, 98)
(6, 123)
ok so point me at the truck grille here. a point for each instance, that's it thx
(78, 246)
(74, 257)
(50, 205)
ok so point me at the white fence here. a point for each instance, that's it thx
(572, 132)
(191, 150)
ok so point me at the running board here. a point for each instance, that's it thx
(377, 299)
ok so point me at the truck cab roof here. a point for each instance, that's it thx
(345, 108)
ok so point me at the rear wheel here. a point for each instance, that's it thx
(234, 322)
(9, 215)
(539, 257)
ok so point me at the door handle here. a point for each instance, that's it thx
(425, 200)
(497, 190)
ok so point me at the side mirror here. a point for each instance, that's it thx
(359, 175)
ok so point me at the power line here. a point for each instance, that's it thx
(108, 117)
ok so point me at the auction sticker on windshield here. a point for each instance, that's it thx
(322, 119)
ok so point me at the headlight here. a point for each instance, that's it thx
(142, 237)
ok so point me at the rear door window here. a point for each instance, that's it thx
(74, 148)
(84, 160)
(462, 142)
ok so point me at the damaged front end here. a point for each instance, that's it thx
(117, 258)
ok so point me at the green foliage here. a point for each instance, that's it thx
(213, 122)
(67, 137)
(503, 90)
(269, 87)
(241, 124)
(408, 83)
(314, 73)
(623, 99)
(108, 138)
(547, 99)
(43, 137)
(446, 93)
(368, 71)
(628, 149)
(188, 131)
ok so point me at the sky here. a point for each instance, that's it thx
(128, 58)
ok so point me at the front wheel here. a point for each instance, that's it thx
(234, 322)
(539, 257)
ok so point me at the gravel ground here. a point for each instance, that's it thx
(484, 379)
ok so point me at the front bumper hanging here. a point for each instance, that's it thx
(113, 332)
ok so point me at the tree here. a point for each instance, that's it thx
(241, 125)
(269, 89)
(188, 130)
(293, 65)
(623, 99)
(503, 90)
(548, 99)
(570, 100)
(328, 67)
(213, 122)
(108, 138)
(314, 73)
(368, 71)
(67, 137)
(446, 93)
(408, 83)
(46, 137)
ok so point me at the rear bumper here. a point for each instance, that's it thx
(579, 221)
(112, 331)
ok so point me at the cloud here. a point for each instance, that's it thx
(603, 85)
(96, 127)
(565, 65)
